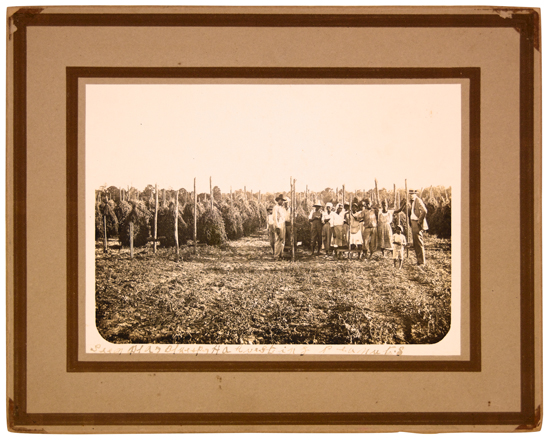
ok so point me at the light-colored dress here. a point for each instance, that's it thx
(355, 231)
(338, 230)
(384, 229)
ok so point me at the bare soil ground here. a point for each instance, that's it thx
(239, 295)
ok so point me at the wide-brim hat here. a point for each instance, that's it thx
(340, 205)
(280, 197)
(413, 192)
(318, 204)
(328, 205)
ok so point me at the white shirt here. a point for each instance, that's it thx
(413, 216)
(279, 216)
(338, 219)
(270, 219)
(330, 217)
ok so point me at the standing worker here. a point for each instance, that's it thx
(369, 217)
(417, 214)
(316, 221)
(279, 216)
(328, 223)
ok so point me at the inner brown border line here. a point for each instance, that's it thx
(301, 363)
(527, 26)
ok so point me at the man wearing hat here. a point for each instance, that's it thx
(417, 215)
(279, 216)
(316, 220)
(328, 223)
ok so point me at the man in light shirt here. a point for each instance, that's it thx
(417, 215)
(279, 216)
(328, 223)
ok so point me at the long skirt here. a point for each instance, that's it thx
(384, 236)
(356, 238)
(327, 236)
(337, 240)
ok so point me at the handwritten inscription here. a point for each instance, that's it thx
(296, 350)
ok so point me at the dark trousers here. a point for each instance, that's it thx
(316, 235)
(418, 242)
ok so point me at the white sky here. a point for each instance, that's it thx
(259, 135)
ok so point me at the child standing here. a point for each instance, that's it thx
(399, 241)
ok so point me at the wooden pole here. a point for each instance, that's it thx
(343, 194)
(407, 216)
(376, 191)
(104, 233)
(245, 195)
(131, 239)
(156, 218)
(195, 217)
(395, 198)
(176, 227)
(292, 213)
(211, 196)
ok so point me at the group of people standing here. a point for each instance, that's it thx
(367, 228)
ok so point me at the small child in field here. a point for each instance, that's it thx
(398, 241)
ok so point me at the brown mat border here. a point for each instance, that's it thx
(527, 24)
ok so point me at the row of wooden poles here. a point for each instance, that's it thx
(293, 200)
(373, 194)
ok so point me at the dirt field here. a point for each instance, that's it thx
(240, 295)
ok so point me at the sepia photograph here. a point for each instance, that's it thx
(324, 216)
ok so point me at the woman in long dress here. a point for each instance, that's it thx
(385, 218)
(355, 237)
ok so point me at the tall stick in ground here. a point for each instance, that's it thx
(156, 218)
(292, 213)
(211, 196)
(195, 217)
(407, 217)
(131, 239)
(176, 227)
